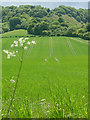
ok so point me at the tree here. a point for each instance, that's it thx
(61, 19)
(48, 10)
(5, 27)
(40, 27)
(30, 29)
(13, 22)
(78, 18)
(71, 31)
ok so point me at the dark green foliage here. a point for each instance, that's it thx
(88, 27)
(71, 32)
(64, 24)
(61, 20)
(14, 22)
(24, 23)
(40, 27)
(5, 27)
(38, 11)
(45, 33)
(30, 29)
(48, 10)
(78, 18)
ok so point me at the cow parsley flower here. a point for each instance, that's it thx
(9, 53)
(45, 59)
(33, 42)
(20, 39)
(12, 81)
(56, 59)
(6, 51)
(14, 42)
(16, 51)
(28, 43)
(26, 38)
(12, 45)
(25, 48)
(42, 100)
(22, 42)
(21, 45)
(8, 57)
(16, 45)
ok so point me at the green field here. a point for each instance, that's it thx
(55, 88)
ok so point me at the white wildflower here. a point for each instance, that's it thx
(12, 45)
(33, 42)
(56, 59)
(16, 42)
(16, 51)
(20, 39)
(25, 48)
(21, 45)
(45, 59)
(26, 38)
(48, 111)
(83, 96)
(57, 104)
(12, 81)
(42, 100)
(16, 45)
(8, 57)
(10, 53)
(23, 41)
(6, 51)
(28, 43)
(20, 42)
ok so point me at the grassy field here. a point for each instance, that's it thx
(55, 88)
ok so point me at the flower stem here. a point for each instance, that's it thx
(21, 61)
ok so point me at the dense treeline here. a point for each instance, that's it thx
(37, 20)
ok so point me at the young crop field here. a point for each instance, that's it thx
(53, 82)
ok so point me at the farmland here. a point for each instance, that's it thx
(53, 82)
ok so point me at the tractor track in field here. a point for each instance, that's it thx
(51, 47)
(70, 46)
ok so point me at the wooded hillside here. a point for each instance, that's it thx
(37, 20)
